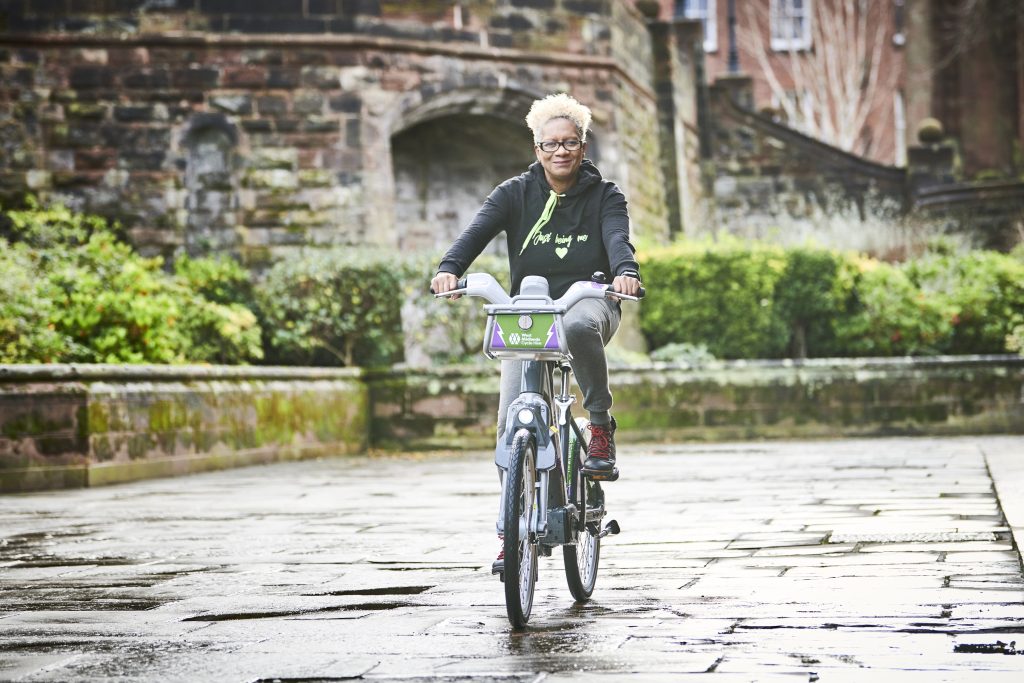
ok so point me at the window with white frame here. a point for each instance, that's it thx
(791, 24)
(705, 11)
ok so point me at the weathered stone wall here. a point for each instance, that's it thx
(770, 182)
(260, 127)
(728, 400)
(89, 425)
(678, 59)
(65, 426)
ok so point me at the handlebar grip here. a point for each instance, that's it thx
(642, 293)
(461, 284)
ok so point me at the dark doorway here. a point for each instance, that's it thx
(445, 168)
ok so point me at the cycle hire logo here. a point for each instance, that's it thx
(522, 332)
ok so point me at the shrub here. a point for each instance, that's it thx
(1015, 339)
(890, 316)
(747, 301)
(27, 334)
(721, 296)
(441, 330)
(98, 301)
(219, 321)
(220, 280)
(983, 291)
(333, 307)
(810, 296)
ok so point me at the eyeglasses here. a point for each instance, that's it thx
(551, 145)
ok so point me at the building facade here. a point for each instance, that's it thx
(257, 127)
(873, 70)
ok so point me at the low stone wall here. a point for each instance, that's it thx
(65, 426)
(456, 407)
(824, 398)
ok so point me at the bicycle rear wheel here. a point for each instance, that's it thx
(582, 557)
(519, 507)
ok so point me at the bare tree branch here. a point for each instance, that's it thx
(830, 89)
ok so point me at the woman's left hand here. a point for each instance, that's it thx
(626, 284)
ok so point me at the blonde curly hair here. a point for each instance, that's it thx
(560, 106)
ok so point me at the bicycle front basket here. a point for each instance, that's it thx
(525, 335)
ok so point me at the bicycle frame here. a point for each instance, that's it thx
(533, 410)
(542, 489)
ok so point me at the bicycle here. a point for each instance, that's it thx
(547, 498)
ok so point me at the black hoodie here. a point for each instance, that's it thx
(588, 231)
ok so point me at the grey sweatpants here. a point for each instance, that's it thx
(589, 326)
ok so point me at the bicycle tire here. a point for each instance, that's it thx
(518, 506)
(581, 559)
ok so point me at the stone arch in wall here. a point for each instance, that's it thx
(210, 156)
(444, 168)
(448, 153)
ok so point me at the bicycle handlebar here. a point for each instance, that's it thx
(484, 285)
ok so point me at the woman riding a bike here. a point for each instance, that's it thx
(563, 221)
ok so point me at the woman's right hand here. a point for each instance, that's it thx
(445, 282)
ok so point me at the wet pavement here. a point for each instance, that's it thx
(808, 561)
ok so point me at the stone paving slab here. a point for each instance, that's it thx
(830, 561)
(1005, 460)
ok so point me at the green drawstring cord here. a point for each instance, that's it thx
(545, 216)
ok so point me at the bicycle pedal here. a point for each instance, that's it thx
(596, 475)
(610, 529)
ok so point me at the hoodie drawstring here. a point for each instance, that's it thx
(545, 216)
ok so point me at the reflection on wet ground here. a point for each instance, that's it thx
(807, 561)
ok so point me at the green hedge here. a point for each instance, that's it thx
(73, 291)
(339, 306)
(742, 300)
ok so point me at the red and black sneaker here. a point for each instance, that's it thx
(600, 462)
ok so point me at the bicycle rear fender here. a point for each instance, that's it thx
(534, 406)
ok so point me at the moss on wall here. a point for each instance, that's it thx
(124, 427)
(132, 425)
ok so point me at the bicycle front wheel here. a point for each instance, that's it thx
(519, 508)
(581, 558)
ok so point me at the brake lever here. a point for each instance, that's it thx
(627, 297)
(450, 293)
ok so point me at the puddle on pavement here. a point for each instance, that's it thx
(45, 561)
(36, 537)
(86, 604)
(37, 646)
(358, 607)
(996, 648)
(391, 590)
(468, 678)
(546, 641)
(431, 568)
(950, 630)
